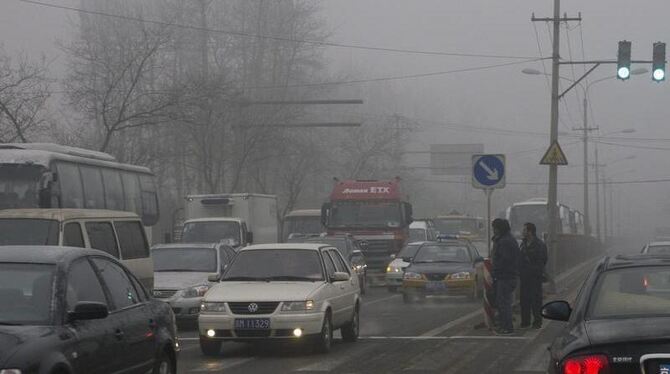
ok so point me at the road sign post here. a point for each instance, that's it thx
(488, 174)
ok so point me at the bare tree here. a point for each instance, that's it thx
(24, 91)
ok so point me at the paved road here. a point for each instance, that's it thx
(436, 337)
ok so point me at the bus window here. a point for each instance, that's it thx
(113, 189)
(72, 193)
(101, 236)
(149, 200)
(93, 190)
(131, 189)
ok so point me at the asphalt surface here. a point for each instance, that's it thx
(439, 336)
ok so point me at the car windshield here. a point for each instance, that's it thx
(211, 232)
(26, 291)
(302, 225)
(417, 235)
(365, 214)
(19, 186)
(658, 250)
(632, 292)
(28, 232)
(275, 264)
(185, 260)
(409, 251)
(441, 253)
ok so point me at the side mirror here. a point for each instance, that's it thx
(325, 208)
(214, 278)
(393, 256)
(250, 237)
(407, 259)
(84, 311)
(364, 244)
(408, 213)
(557, 311)
(340, 277)
(479, 259)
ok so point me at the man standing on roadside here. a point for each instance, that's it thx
(531, 270)
(505, 258)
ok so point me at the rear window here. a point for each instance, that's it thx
(131, 239)
(634, 292)
(28, 232)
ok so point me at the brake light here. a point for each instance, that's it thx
(592, 364)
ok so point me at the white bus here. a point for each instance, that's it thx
(42, 175)
(535, 210)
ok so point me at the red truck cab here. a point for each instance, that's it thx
(376, 212)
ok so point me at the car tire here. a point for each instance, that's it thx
(407, 298)
(351, 330)
(164, 365)
(325, 338)
(210, 347)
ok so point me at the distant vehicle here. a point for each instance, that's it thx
(535, 210)
(619, 322)
(446, 267)
(41, 175)
(73, 310)
(352, 251)
(282, 291)
(376, 211)
(181, 273)
(657, 248)
(662, 234)
(396, 269)
(422, 230)
(237, 219)
(305, 221)
(119, 234)
(472, 228)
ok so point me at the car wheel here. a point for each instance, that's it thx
(163, 365)
(350, 330)
(210, 347)
(325, 338)
(407, 298)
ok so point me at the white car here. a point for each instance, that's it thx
(656, 248)
(396, 269)
(282, 291)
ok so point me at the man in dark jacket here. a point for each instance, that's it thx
(505, 258)
(531, 270)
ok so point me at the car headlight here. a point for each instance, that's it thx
(10, 371)
(392, 269)
(213, 307)
(412, 275)
(297, 306)
(195, 291)
(464, 275)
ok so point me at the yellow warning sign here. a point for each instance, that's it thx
(554, 156)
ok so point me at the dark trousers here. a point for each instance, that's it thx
(504, 298)
(531, 300)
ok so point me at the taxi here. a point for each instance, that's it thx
(450, 267)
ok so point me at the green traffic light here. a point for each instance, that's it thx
(623, 72)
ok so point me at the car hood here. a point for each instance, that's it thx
(608, 331)
(168, 280)
(13, 338)
(262, 291)
(440, 267)
(398, 263)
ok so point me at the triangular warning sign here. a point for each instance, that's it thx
(554, 156)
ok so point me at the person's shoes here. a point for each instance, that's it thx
(504, 332)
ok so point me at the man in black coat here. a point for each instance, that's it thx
(531, 270)
(505, 261)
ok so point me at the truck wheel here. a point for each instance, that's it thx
(350, 330)
(325, 339)
(210, 347)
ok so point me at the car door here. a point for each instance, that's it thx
(332, 291)
(134, 324)
(345, 289)
(96, 346)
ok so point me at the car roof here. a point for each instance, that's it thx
(65, 214)
(639, 260)
(42, 254)
(285, 246)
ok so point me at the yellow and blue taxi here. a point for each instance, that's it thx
(449, 266)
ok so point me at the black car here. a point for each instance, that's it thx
(73, 310)
(620, 322)
(351, 249)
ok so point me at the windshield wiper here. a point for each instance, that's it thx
(291, 278)
(253, 279)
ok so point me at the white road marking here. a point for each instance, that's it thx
(380, 300)
(454, 337)
(440, 329)
(188, 339)
(222, 365)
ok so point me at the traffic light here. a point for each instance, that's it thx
(623, 60)
(658, 63)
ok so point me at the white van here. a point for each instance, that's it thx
(120, 234)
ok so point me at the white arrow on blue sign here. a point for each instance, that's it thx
(488, 171)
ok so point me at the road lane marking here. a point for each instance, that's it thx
(440, 329)
(454, 337)
(380, 300)
(221, 365)
(188, 339)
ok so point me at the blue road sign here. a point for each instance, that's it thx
(488, 171)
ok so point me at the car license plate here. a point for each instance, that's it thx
(664, 369)
(252, 324)
(436, 286)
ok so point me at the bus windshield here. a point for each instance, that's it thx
(521, 214)
(19, 186)
(365, 214)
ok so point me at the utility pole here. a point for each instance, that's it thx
(585, 128)
(597, 179)
(604, 181)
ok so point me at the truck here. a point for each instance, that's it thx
(238, 219)
(375, 212)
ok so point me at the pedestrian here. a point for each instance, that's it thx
(532, 260)
(505, 258)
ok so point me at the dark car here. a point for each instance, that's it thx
(446, 267)
(620, 321)
(351, 249)
(73, 310)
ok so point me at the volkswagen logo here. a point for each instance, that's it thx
(253, 308)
